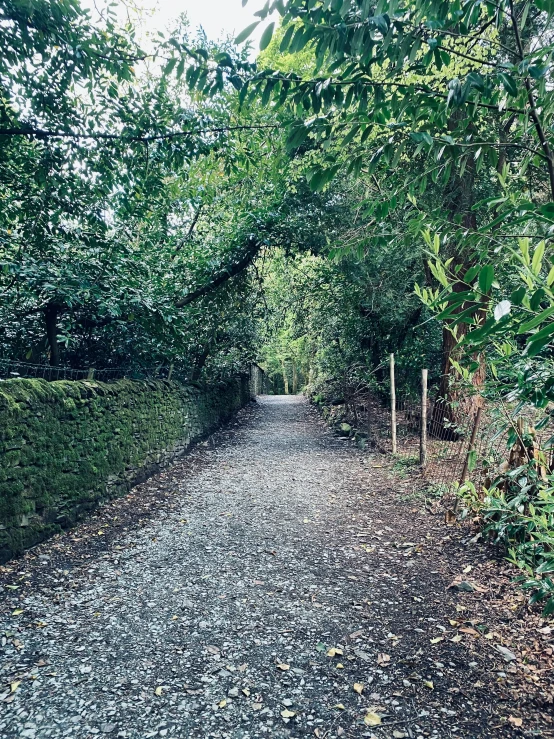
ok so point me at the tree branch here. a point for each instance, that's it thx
(224, 276)
(40, 133)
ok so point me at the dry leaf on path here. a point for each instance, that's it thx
(159, 690)
(372, 719)
(508, 655)
(288, 714)
(283, 667)
(358, 688)
(383, 659)
(515, 721)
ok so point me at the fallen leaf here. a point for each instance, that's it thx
(339, 706)
(515, 720)
(437, 639)
(17, 612)
(288, 714)
(222, 703)
(505, 652)
(358, 688)
(334, 651)
(256, 706)
(246, 692)
(159, 690)
(283, 667)
(383, 659)
(457, 638)
(15, 685)
(340, 666)
(372, 719)
(467, 569)
(429, 684)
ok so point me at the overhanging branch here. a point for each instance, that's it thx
(225, 275)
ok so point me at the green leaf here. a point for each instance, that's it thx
(547, 210)
(517, 296)
(537, 258)
(267, 35)
(509, 83)
(471, 274)
(243, 35)
(534, 347)
(284, 46)
(486, 278)
(537, 320)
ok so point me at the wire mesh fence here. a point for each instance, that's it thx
(13, 369)
(446, 442)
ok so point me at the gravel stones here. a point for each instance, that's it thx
(278, 551)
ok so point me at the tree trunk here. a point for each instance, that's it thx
(451, 405)
(285, 377)
(294, 379)
(51, 319)
(200, 362)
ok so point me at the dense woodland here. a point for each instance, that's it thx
(380, 179)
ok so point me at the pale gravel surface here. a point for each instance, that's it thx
(259, 562)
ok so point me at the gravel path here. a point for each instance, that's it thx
(219, 615)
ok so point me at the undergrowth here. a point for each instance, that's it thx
(517, 513)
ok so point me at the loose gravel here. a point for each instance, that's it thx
(279, 589)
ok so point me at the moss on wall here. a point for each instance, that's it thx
(66, 446)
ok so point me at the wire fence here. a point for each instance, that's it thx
(448, 443)
(12, 369)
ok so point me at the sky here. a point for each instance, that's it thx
(219, 18)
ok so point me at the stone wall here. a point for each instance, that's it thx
(66, 446)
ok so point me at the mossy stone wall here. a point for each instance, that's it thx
(66, 446)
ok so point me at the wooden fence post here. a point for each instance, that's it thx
(423, 432)
(393, 404)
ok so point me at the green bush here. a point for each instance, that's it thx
(518, 514)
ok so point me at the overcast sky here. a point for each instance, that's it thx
(219, 18)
